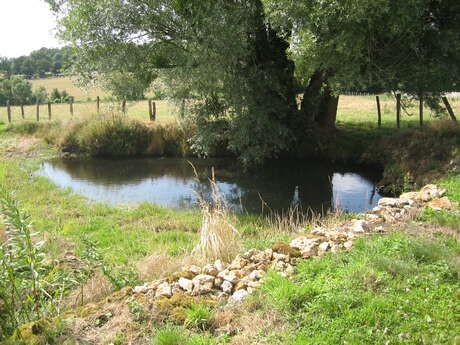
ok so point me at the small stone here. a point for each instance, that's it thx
(358, 226)
(241, 285)
(219, 265)
(442, 204)
(239, 296)
(256, 275)
(202, 284)
(229, 276)
(280, 257)
(186, 284)
(318, 231)
(323, 246)
(218, 282)
(370, 216)
(254, 284)
(264, 256)
(238, 263)
(379, 229)
(433, 191)
(227, 287)
(250, 253)
(164, 290)
(142, 288)
(176, 289)
(279, 266)
(210, 270)
(392, 202)
(348, 245)
(192, 268)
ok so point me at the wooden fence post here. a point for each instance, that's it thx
(449, 109)
(38, 111)
(71, 106)
(379, 112)
(98, 102)
(8, 108)
(154, 111)
(22, 110)
(49, 110)
(421, 110)
(150, 109)
(123, 106)
(398, 110)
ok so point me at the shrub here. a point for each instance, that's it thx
(107, 136)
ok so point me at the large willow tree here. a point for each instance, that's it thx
(244, 62)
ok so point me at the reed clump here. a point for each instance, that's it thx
(219, 238)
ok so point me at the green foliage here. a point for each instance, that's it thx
(170, 335)
(198, 316)
(28, 285)
(125, 86)
(405, 45)
(386, 289)
(57, 96)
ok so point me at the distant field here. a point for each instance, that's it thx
(359, 110)
(136, 110)
(68, 84)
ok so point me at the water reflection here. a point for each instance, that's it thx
(172, 183)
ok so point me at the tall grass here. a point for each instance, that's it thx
(219, 239)
(27, 285)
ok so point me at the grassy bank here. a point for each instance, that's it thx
(401, 288)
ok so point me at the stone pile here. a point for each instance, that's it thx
(245, 273)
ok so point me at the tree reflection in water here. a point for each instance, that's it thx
(171, 182)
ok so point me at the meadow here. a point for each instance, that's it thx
(352, 110)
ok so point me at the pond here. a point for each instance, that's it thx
(171, 182)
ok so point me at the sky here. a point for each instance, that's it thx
(26, 25)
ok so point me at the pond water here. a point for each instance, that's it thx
(171, 182)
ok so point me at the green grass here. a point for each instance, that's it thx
(394, 289)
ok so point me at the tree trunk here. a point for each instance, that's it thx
(319, 104)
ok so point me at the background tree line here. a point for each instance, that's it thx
(16, 90)
(44, 62)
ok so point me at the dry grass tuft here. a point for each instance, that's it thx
(157, 265)
(95, 289)
(291, 221)
(219, 239)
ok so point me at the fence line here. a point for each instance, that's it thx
(151, 108)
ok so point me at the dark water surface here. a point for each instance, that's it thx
(171, 182)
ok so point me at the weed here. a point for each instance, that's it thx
(198, 316)
(170, 335)
(27, 289)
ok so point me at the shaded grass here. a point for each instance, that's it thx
(396, 289)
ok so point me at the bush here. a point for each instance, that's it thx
(107, 136)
